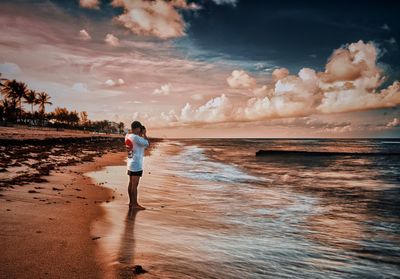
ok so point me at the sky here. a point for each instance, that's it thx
(213, 68)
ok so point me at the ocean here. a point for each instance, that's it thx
(216, 210)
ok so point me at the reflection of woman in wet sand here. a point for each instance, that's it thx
(127, 244)
(135, 141)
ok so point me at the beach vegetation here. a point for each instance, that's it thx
(12, 112)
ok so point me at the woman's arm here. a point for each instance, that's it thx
(142, 139)
(145, 136)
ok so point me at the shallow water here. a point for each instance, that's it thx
(214, 210)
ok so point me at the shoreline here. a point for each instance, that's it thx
(48, 205)
(31, 160)
(196, 225)
(47, 233)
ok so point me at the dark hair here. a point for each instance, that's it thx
(136, 124)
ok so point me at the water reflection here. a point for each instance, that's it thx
(126, 251)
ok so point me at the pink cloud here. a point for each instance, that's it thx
(84, 35)
(218, 109)
(350, 82)
(89, 4)
(111, 40)
(280, 73)
(240, 79)
(157, 18)
(163, 90)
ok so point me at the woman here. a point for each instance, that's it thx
(135, 141)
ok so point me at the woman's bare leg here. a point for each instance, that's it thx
(131, 199)
(133, 192)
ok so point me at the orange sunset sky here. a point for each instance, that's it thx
(221, 68)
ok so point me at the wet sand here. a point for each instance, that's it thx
(47, 205)
(172, 237)
(46, 226)
(29, 157)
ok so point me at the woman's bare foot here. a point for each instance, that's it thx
(136, 206)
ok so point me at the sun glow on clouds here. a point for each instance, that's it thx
(89, 4)
(146, 78)
(84, 35)
(111, 40)
(153, 18)
(157, 18)
(350, 82)
(240, 79)
(111, 82)
(164, 90)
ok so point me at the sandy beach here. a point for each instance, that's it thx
(46, 212)
(34, 133)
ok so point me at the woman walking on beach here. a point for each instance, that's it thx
(135, 141)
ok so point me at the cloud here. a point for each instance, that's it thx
(391, 41)
(240, 79)
(351, 82)
(280, 73)
(164, 90)
(111, 40)
(156, 18)
(89, 4)
(218, 109)
(262, 91)
(393, 123)
(80, 87)
(111, 82)
(259, 66)
(292, 96)
(385, 27)
(325, 127)
(9, 68)
(222, 2)
(84, 35)
(197, 97)
(169, 117)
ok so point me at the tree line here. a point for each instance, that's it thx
(14, 93)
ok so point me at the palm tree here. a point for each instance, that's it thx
(8, 109)
(15, 91)
(43, 99)
(30, 98)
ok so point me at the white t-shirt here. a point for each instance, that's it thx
(135, 146)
